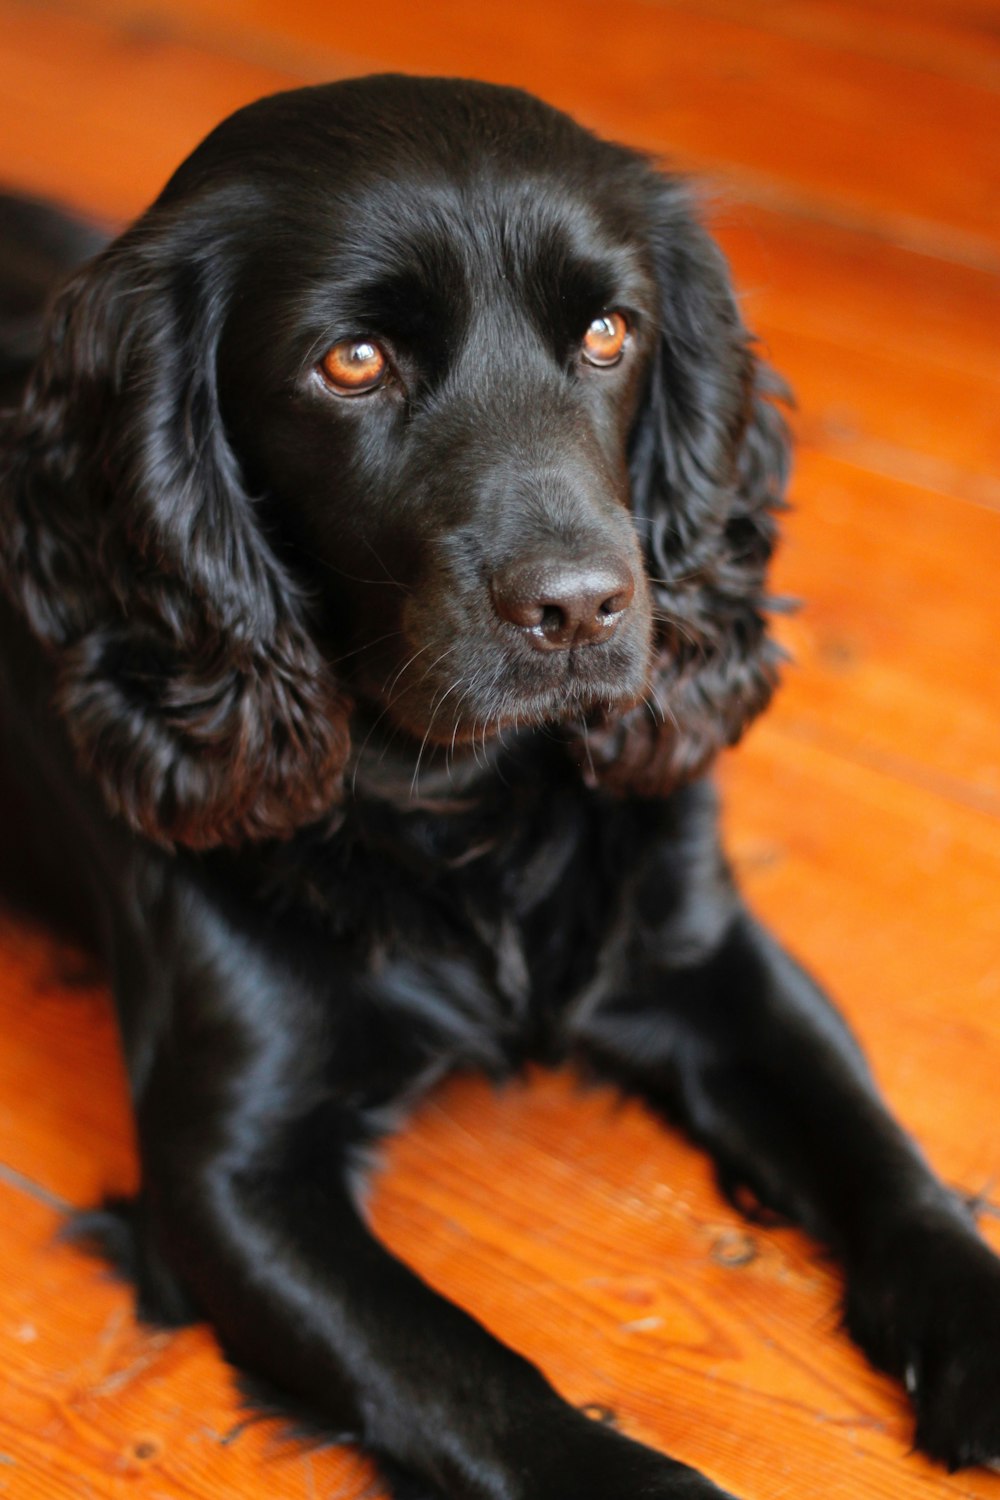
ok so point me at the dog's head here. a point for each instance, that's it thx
(408, 392)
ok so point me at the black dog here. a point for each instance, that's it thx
(384, 534)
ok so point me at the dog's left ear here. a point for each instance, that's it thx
(709, 463)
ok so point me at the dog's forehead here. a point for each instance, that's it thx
(454, 225)
(391, 160)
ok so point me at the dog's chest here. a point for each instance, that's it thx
(473, 931)
(489, 950)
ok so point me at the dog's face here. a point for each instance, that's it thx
(414, 392)
(431, 368)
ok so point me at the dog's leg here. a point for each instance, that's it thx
(263, 1081)
(707, 1018)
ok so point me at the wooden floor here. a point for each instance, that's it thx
(852, 153)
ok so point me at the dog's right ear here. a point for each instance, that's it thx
(185, 671)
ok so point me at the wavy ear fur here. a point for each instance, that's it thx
(709, 464)
(189, 683)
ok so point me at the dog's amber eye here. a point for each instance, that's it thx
(604, 341)
(354, 366)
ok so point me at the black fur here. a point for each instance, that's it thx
(377, 725)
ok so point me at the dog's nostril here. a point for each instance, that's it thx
(563, 603)
(618, 602)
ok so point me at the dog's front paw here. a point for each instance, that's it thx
(926, 1308)
(596, 1462)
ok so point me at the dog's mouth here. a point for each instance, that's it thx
(450, 696)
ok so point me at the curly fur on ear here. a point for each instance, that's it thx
(709, 462)
(185, 672)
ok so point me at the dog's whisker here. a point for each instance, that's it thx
(345, 656)
(359, 754)
(415, 780)
(449, 651)
(388, 576)
(388, 688)
(664, 617)
(585, 728)
(318, 561)
(694, 576)
(655, 708)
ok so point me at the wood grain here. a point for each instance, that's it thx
(720, 91)
(851, 150)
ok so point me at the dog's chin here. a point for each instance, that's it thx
(476, 717)
(542, 714)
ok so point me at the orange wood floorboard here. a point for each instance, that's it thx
(867, 136)
(854, 166)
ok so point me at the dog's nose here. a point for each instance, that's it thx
(563, 603)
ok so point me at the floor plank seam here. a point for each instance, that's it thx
(12, 1178)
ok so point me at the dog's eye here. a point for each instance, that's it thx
(604, 341)
(354, 366)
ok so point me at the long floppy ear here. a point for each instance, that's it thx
(189, 683)
(709, 464)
